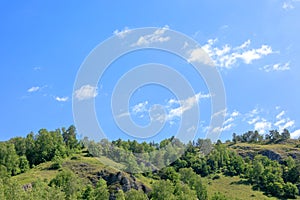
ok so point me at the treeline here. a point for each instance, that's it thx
(179, 180)
(254, 137)
(19, 154)
(138, 157)
(207, 159)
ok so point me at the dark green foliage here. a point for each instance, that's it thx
(101, 191)
(162, 190)
(69, 137)
(23, 164)
(67, 182)
(9, 158)
(136, 195)
(88, 193)
(290, 190)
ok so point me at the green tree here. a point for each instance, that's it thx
(136, 195)
(68, 182)
(69, 137)
(183, 192)
(88, 193)
(40, 190)
(23, 164)
(188, 176)
(101, 191)
(290, 190)
(162, 190)
(120, 195)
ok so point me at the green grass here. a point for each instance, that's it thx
(232, 188)
(39, 172)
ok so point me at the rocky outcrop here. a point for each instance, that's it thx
(122, 181)
(271, 154)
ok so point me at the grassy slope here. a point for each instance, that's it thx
(85, 166)
(233, 189)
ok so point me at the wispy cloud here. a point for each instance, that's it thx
(185, 105)
(276, 67)
(122, 33)
(229, 122)
(33, 89)
(289, 4)
(140, 107)
(174, 108)
(61, 99)
(86, 92)
(227, 56)
(157, 36)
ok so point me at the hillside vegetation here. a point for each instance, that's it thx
(55, 165)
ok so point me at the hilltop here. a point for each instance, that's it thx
(65, 169)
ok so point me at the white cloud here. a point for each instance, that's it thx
(235, 114)
(280, 115)
(221, 129)
(156, 37)
(253, 120)
(122, 33)
(37, 68)
(34, 89)
(86, 92)
(278, 123)
(287, 6)
(186, 105)
(141, 107)
(200, 56)
(262, 126)
(288, 124)
(226, 56)
(62, 99)
(295, 134)
(276, 67)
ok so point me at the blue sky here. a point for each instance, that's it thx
(254, 44)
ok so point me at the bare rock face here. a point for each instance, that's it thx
(122, 181)
(272, 155)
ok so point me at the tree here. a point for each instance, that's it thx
(69, 137)
(136, 195)
(188, 176)
(101, 191)
(20, 145)
(120, 195)
(169, 173)
(9, 158)
(290, 190)
(88, 193)
(183, 192)
(162, 190)
(40, 190)
(23, 164)
(68, 182)
(285, 134)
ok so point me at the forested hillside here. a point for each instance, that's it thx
(56, 165)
